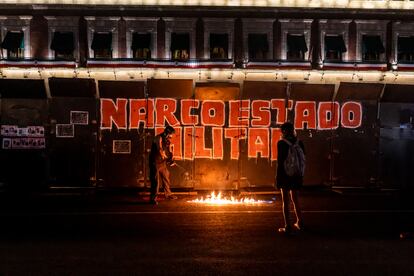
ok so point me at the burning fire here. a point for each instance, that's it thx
(218, 199)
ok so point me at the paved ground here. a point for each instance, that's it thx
(122, 235)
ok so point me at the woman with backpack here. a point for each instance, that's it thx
(289, 176)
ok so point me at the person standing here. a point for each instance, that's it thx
(159, 160)
(289, 177)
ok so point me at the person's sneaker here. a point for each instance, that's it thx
(172, 197)
(285, 230)
(299, 226)
(153, 202)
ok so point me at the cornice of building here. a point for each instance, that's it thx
(402, 10)
(310, 4)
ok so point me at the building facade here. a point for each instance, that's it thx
(85, 87)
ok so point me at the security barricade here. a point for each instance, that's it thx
(315, 118)
(268, 105)
(74, 129)
(122, 138)
(24, 134)
(397, 136)
(216, 136)
(355, 149)
(173, 104)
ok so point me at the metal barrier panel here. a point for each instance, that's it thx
(24, 134)
(170, 98)
(313, 128)
(122, 155)
(216, 141)
(226, 139)
(268, 109)
(355, 149)
(397, 136)
(73, 141)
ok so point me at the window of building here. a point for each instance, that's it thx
(296, 47)
(258, 46)
(219, 44)
(13, 43)
(405, 49)
(141, 45)
(334, 47)
(372, 48)
(102, 45)
(63, 45)
(180, 46)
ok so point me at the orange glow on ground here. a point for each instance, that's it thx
(218, 199)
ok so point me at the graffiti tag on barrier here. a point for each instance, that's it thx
(234, 120)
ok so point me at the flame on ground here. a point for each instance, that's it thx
(218, 199)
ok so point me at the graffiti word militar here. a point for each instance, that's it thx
(214, 122)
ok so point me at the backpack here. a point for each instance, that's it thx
(294, 164)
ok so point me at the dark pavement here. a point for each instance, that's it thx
(92, 234)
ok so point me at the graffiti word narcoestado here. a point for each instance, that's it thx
(213, 122)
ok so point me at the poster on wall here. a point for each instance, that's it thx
(121, 147)
(31, 137)
(29, 143)
(35, 131)
(9, 130)
(79, 117)
(16, 143)
(65, 131)
(22, 132)
(37, 143)
(24, 143)
(6, 144)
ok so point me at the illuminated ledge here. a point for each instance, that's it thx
(37, 63)
(159, 64)
(405, 67)
(339, 4)
(359, 66)
(304, 65)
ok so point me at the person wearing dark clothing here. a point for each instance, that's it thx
(288, 185)
(159, 160)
